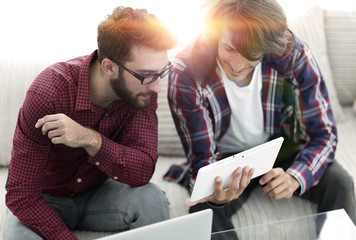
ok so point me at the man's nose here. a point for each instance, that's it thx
(238, 62)
(155, 86)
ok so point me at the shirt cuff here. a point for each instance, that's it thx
(215, 205)
(302, 173)
(108, 151)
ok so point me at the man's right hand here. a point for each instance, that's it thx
(61, 129)
(240, 181)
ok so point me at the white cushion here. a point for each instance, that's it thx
(340, 29)
(310, 28)
(16, 77)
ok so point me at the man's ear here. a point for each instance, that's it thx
(108, 67)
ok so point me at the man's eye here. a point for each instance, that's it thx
(149, 76)
(229, 49)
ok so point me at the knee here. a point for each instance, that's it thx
(151, 197)
(339, 179)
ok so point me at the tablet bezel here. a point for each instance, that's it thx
(261, 158)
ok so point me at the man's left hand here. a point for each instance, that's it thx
(279, 184)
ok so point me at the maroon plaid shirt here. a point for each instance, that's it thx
(128, 153)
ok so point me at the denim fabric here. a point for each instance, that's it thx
(113, 206)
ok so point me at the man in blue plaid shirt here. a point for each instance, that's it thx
(246, 80)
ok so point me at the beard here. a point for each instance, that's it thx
(121, 90)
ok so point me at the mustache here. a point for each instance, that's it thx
(146, 94)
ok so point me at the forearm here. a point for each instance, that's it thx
(312, 161)
(133, 166)
(315, 123)
(194, 126)
(25, 184)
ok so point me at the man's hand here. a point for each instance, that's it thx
(279, 184)
(63, 130)
(240, 180)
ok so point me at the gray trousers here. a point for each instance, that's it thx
(113, 206)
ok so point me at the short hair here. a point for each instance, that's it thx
(256, 26)
(127, 27)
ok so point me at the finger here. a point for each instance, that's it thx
(218, 185)
(45, 119)
(270, 186)
(282, 191)
(57, 140)
(250, 173)
(55, 133)
(245, 178)
(270, 175)
(273, 185)
(236, 179)
(282, 195)
(218, 191)
(235, 185)
(49, 126)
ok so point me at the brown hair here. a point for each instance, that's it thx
(255, 26)
(127, 27)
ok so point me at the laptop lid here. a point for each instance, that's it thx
(194, 226)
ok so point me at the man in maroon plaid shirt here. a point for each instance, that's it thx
(85, 144)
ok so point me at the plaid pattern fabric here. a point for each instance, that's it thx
(128, 153)
(294, 100)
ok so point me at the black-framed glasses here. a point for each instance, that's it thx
(147, 78)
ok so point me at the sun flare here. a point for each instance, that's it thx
(46, 29)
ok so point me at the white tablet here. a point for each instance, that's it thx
(261, 158)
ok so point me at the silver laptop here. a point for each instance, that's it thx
(194, 226)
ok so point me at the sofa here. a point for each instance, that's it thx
(330, 34)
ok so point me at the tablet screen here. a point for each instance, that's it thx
(261, 158)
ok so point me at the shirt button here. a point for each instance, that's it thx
(107, 115)
(79, 180)
(115, 178)
(97, 163)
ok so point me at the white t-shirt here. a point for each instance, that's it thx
(246, 128)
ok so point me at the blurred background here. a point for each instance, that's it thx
(65, 29)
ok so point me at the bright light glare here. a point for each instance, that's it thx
(185, 18)
(65, 29)
(60, 30)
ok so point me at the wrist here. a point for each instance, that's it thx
(295, 184)
(93, 142)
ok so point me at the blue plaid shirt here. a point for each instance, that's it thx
(295, 105)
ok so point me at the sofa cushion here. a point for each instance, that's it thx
(310, 28)
(168, 141)
(340, 29)
(16, 77)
